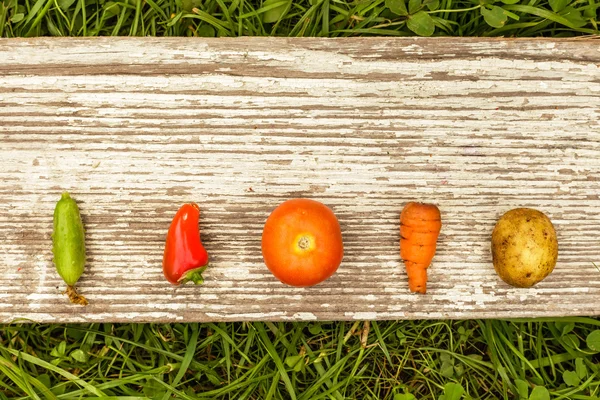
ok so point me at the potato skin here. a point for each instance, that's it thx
(524, 247)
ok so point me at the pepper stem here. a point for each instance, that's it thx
(194, 275)
(75, 297)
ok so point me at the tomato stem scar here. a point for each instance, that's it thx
(304, 243)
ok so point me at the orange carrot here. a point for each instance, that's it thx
(420, 226)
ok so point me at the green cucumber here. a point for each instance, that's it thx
(68, 240)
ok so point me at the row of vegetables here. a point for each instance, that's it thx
(302, 244)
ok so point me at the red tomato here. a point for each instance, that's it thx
(302, 242)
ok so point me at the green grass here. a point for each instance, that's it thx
(324, 18)
(488, 359)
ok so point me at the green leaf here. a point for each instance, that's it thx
(294, 362)
(52, 29)
(401, 336)
(432, 5)
(154, 390)
(593, 341)
(447, 369)
(414, 6)
(494, 17)
(173, 21)
(445, 357)
(59, 351)
(45, 380)
(537, 380)
(111, 9)
(448, 27)
(404, 396)
(571, 340)
(398, 7)
(564, 327)
(557, 6)
(510, 1)
(522, 388)
(79, 355)
(274, 13)
(187, 5)
(315, 329)
(580, 368)
(571, 378)
(539, 393)
(590, 12)
(421, 24)
(59, 389)
(205, 30)
(65, 4)
(459, 369)
(574, 16)
(453, 391)
(17, 18)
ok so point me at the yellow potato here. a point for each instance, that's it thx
(524, 247)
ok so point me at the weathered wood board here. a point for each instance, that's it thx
(135, 127)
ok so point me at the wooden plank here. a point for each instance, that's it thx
(135, 127)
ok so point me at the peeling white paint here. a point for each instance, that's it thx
(367, 316)
(304, 316)
(362, 127)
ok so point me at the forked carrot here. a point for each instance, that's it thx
(420, 226)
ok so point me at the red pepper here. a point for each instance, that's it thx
(185, 257)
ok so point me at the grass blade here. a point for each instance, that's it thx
(187, 358)
(262, 333)
(53, 368)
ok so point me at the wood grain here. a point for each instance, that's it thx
(135, 127)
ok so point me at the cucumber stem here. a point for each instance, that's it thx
(75, 297)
